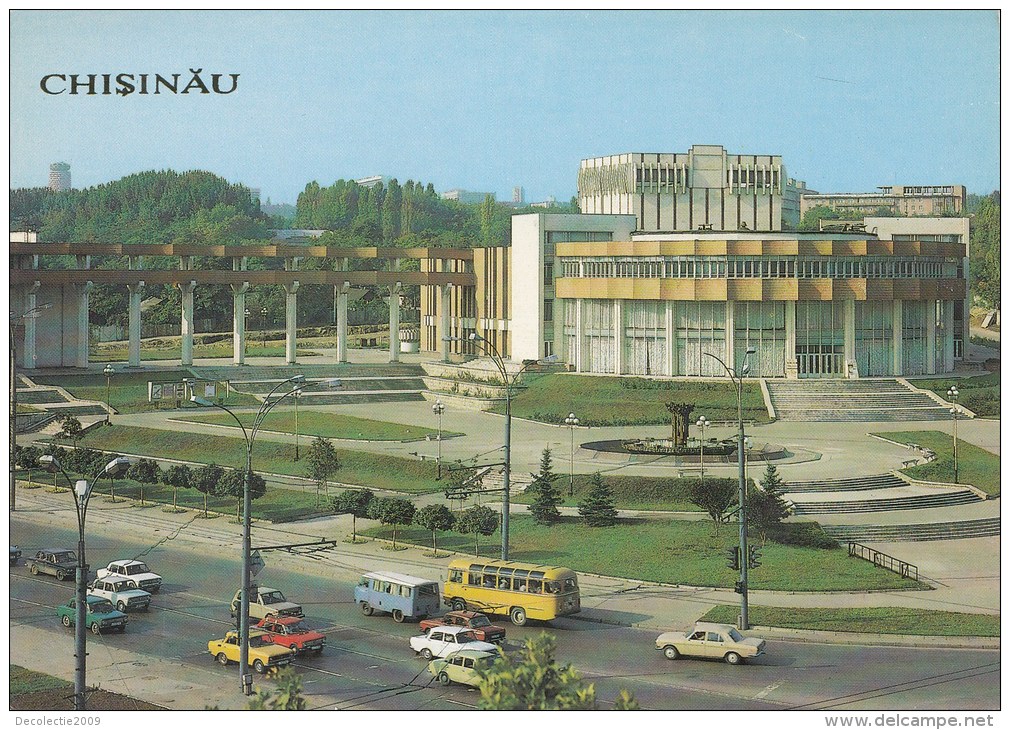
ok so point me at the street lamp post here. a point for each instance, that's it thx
(81, 494)
(297, 397)
(702, 424)
(245, 678)
(571, 421)
(15, 320)
(245, 328)
(263, 326)
(438, 409)
(737, 378)
(499, 363)
(952, 395)
(109, 371)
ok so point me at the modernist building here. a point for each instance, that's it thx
(59, 176)
(903, 200)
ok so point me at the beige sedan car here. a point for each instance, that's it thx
(711, 641)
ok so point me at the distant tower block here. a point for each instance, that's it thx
(59, 176)
(518, 195)
(254, 194)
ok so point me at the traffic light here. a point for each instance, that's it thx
(738, 587)
(733, 558)
(753, 556)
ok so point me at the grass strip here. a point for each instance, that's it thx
(601, 401)
(327, 425)
(980, 394)
(667, 551)
(25, 681)
(975, 466)
(886, 620)
(667, 494)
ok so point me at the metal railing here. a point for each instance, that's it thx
(883, 560)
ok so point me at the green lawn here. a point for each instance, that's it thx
(328, 425)
(356, 467)
(601, 401)
(25, 681)
(217, 349)
(128, 390)
(644, 493)
(975, 466)
(668, 551)
(980, 394)
(864, 620)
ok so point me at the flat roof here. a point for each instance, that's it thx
(401, 578)
(753, 236)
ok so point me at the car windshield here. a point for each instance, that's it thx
(256, 641)
(102, 607)
(272, 597)
(137, 568)
(480, 621)
(67, 557)
(464, 636)
(735, 635)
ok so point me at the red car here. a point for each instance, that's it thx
(288, 631)
(476, 622)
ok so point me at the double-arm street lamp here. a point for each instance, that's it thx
(571, 421)
(509, 382)
(15, 321)
(294, 384)
(438, 409)
(737, 377)
(81, 494)
(702, 424)
(109, 371)
(952, 395)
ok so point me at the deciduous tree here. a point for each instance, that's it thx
(355, 502)
(144, 472)
(205, 481)
(714, 496)
(320, 462)
(434, 517)
(393, 511)
(477, 521)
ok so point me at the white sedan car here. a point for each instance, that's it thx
(139, 575)
(443, 641)
(119, 592)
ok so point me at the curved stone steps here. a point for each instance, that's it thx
(919, 501)
(852, 484)
(960, 530)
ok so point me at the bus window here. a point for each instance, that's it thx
(455, 576)
(385, 587)
(405, 591)
(473, 579)
(504, 584)
(552, 586)
(364, 582)
(519, 584)
(536, 586)
(571, 585)
(489, 581)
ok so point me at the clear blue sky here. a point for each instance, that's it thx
(489, 100)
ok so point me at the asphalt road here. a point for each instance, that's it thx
(163, 657)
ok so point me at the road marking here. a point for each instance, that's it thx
(764, 693)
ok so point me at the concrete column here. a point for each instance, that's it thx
(849, 320)
(792, 366)
(897, 367)
(136, 294)
(671, 339)
(948, 336)
(187, 321)
(931, 337)
(342, 321)
(730, 335)
(446, 303)
(394, 321)
(84, 262)
(135, 263)
(238, 292)
(83, 330)
(617, 325)
(578, 336)
(28, 346)
(185, 263)
(290, 322)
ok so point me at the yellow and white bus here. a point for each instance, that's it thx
(516, 590)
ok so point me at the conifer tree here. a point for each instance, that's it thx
(545, 495)
(766, 507)
(598, 509)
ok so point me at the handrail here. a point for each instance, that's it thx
(883, 560)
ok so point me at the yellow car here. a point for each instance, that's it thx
(263, 655)
(712, 641)
(463, 667)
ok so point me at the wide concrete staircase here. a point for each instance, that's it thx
(956, 530)
(852, 400)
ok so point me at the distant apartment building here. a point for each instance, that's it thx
(465, 196)
(903, 200)
(59, 176)
(706, 188)
(518, 195)
(254, 194)
(791, 208)
(550, 202)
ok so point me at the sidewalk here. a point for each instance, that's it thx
(608, 600)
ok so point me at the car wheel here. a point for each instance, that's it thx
(155, 589)
(318, 652)
(458, 604)
(35, 570)
(66, 621)
(222, 659)
(366, 609)
(443, 679)
(146, 608)
(96, 629)
(518, 616)
(121, 606)
(61, 575)
(734, 658)
(398, 615)
(426, 654)
(259, 666)
(670, 652)
(122, 629)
